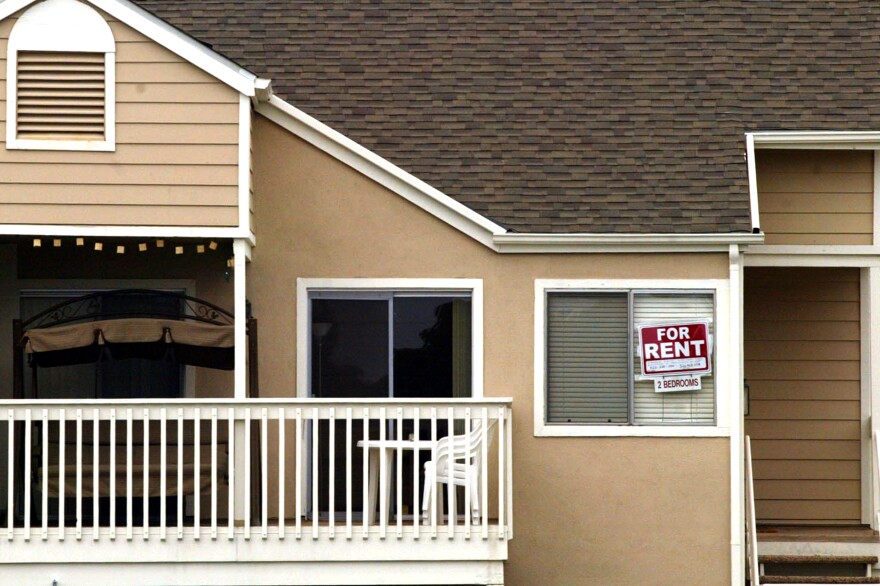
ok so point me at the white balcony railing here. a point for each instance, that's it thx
(237, 480)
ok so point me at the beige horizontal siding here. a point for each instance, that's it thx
(802, 361)
(816, 197)
(176, 159)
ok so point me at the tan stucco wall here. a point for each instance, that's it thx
(587, 511)
(176, 158)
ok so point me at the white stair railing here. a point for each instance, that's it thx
(751, 525)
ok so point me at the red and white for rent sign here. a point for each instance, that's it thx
(674, 349)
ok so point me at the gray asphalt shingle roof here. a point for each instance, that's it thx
(562, 116)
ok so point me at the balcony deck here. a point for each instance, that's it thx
(271, 464)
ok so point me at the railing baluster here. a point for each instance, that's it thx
(45, 490)
(62, 472)
(331, 485)
(96, 471)
(10, 474)
(501, 475)
(466, 441)
(180, 463)
(315, 512)
(146, 489)
(128, 473)
(368, 512)
(197, 472)
(230, 463)
(214, 473)
(434, 491)
(129, 466)
(508, 456)
(281, 474)
(383, 476)
(163, 473)
(399, 473)
(264, 470)
(27, 474)
(450, 464)
(484, 473)
(348, 485)
(79, 470)
(113, 473)
(416, 510)
(247, 473)
(10, 460)
(299, 475)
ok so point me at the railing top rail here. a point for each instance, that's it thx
(297, 402)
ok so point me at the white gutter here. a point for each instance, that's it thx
(825, 139)
(579, 243)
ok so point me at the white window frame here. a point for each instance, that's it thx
(61, 26)
(721, 290)
(304, 286)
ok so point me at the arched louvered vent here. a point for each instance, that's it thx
(61, 96)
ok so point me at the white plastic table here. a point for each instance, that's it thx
(380, 471)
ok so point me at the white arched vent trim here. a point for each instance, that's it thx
(60, 91)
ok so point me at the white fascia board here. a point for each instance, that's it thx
(166, 35)
(579, 243)
(825, 139)
(380, 170)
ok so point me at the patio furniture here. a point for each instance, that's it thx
(459, 465)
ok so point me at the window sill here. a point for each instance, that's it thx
(545, 430)
(61, 145)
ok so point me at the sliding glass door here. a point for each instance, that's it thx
(368, 344)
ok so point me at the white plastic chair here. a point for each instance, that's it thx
(467, 448)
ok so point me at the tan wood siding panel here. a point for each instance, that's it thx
(816, 197)
(133, 154)
(176, 160)
(824, 490)
(808, 511)
(117, 215)
(808, 449)
(213, 175)
(802, 361)
(818, 203)
(799, 350)
(804, 410)
(769, 330)
(61, 194)
(779, 390)
(816, 239)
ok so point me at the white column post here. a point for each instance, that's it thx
(241, 251)
(870, 334)
(737, 479)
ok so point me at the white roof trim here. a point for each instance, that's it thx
(579, 243)
(166, 35)
(824, 139)
(470, 222)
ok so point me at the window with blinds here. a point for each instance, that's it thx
(592, 366)
(60, 96)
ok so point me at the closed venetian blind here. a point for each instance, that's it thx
(60, 95)
(651, 407)
(587, 358)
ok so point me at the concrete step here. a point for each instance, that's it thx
(818, 559)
